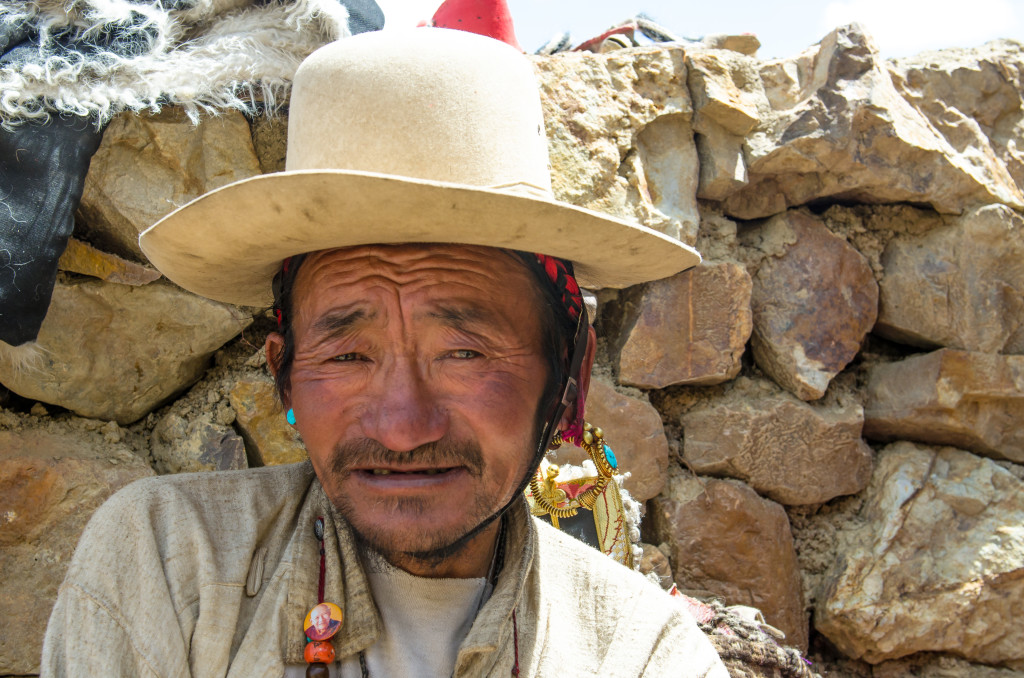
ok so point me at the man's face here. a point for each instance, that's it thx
(417, 376)
(320, 618)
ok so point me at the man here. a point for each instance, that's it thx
(321, 626)
(431, 342)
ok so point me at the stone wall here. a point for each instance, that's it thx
(824, 418)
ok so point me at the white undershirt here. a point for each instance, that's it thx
(425, 622)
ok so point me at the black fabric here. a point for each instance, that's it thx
(20, 43)
(364, 16)
(12, 34)
(42, 173)
(43, 165)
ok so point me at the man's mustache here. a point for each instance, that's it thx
(444, 453)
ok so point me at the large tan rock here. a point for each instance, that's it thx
(691, 328)
(935, 562)
(619, 135)
(50, 484)
(960, 285)
(269, 438)
(940, 666)
(180, 446)
(728, 102)
(633, 430)
(744, 43)
(111, 351)
(270, 140)
(814, 300)
(840, 130)
(723, 169)
(782, 447)
(975, 97)
(727, 541)
(970, 400)
(725, 88)
(148, 165)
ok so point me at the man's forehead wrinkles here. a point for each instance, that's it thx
(402, 262)
(462, 289)
(409, 277)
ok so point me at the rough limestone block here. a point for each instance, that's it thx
(50, 484)
(149, 165)
(975, 97)
(727, 541)
(974, 401)
(633, 430)
(960, 285)
(199, 444)
(814, 300)
(723, 171)
(691, 328)
(940, 666)
(726, 89)
(744, 43)
(81, 257)
(782, 447)
(111, 351)
(270, 141)
(268, 436)
(840, 130)
(934, 563)
(619, 135)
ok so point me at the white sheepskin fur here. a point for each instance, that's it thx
(215, 55)
(29, 358)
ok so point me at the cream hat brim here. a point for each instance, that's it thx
(246, 229)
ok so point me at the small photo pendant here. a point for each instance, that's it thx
(323, 621)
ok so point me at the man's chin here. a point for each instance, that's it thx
(413, 530)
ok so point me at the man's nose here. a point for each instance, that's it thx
(405, 412)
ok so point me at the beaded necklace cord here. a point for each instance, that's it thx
(318, 530)
(497, 563)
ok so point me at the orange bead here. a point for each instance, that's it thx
(319, 652)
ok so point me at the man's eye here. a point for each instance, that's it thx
(464, 354)
(346, 358)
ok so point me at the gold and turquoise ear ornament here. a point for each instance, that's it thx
(550, 499)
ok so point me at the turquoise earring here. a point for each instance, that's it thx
(290, 416)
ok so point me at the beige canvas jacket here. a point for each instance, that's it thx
(158, 587)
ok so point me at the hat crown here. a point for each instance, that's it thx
(427, 103)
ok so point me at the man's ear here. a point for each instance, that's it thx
(274, 348)
(584, 380)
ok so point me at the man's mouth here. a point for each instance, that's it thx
(428, 472)
(409, 479)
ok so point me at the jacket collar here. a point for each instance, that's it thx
(346, 585)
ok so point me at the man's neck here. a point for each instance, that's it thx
(474, 559)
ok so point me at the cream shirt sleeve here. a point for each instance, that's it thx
(684, 650)
(115, 612)
(84, 639)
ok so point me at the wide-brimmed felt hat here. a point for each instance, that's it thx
(428, 135)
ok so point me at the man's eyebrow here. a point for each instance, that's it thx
(335, 323)
(462, 316)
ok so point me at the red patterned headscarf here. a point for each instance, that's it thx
(559, 273)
